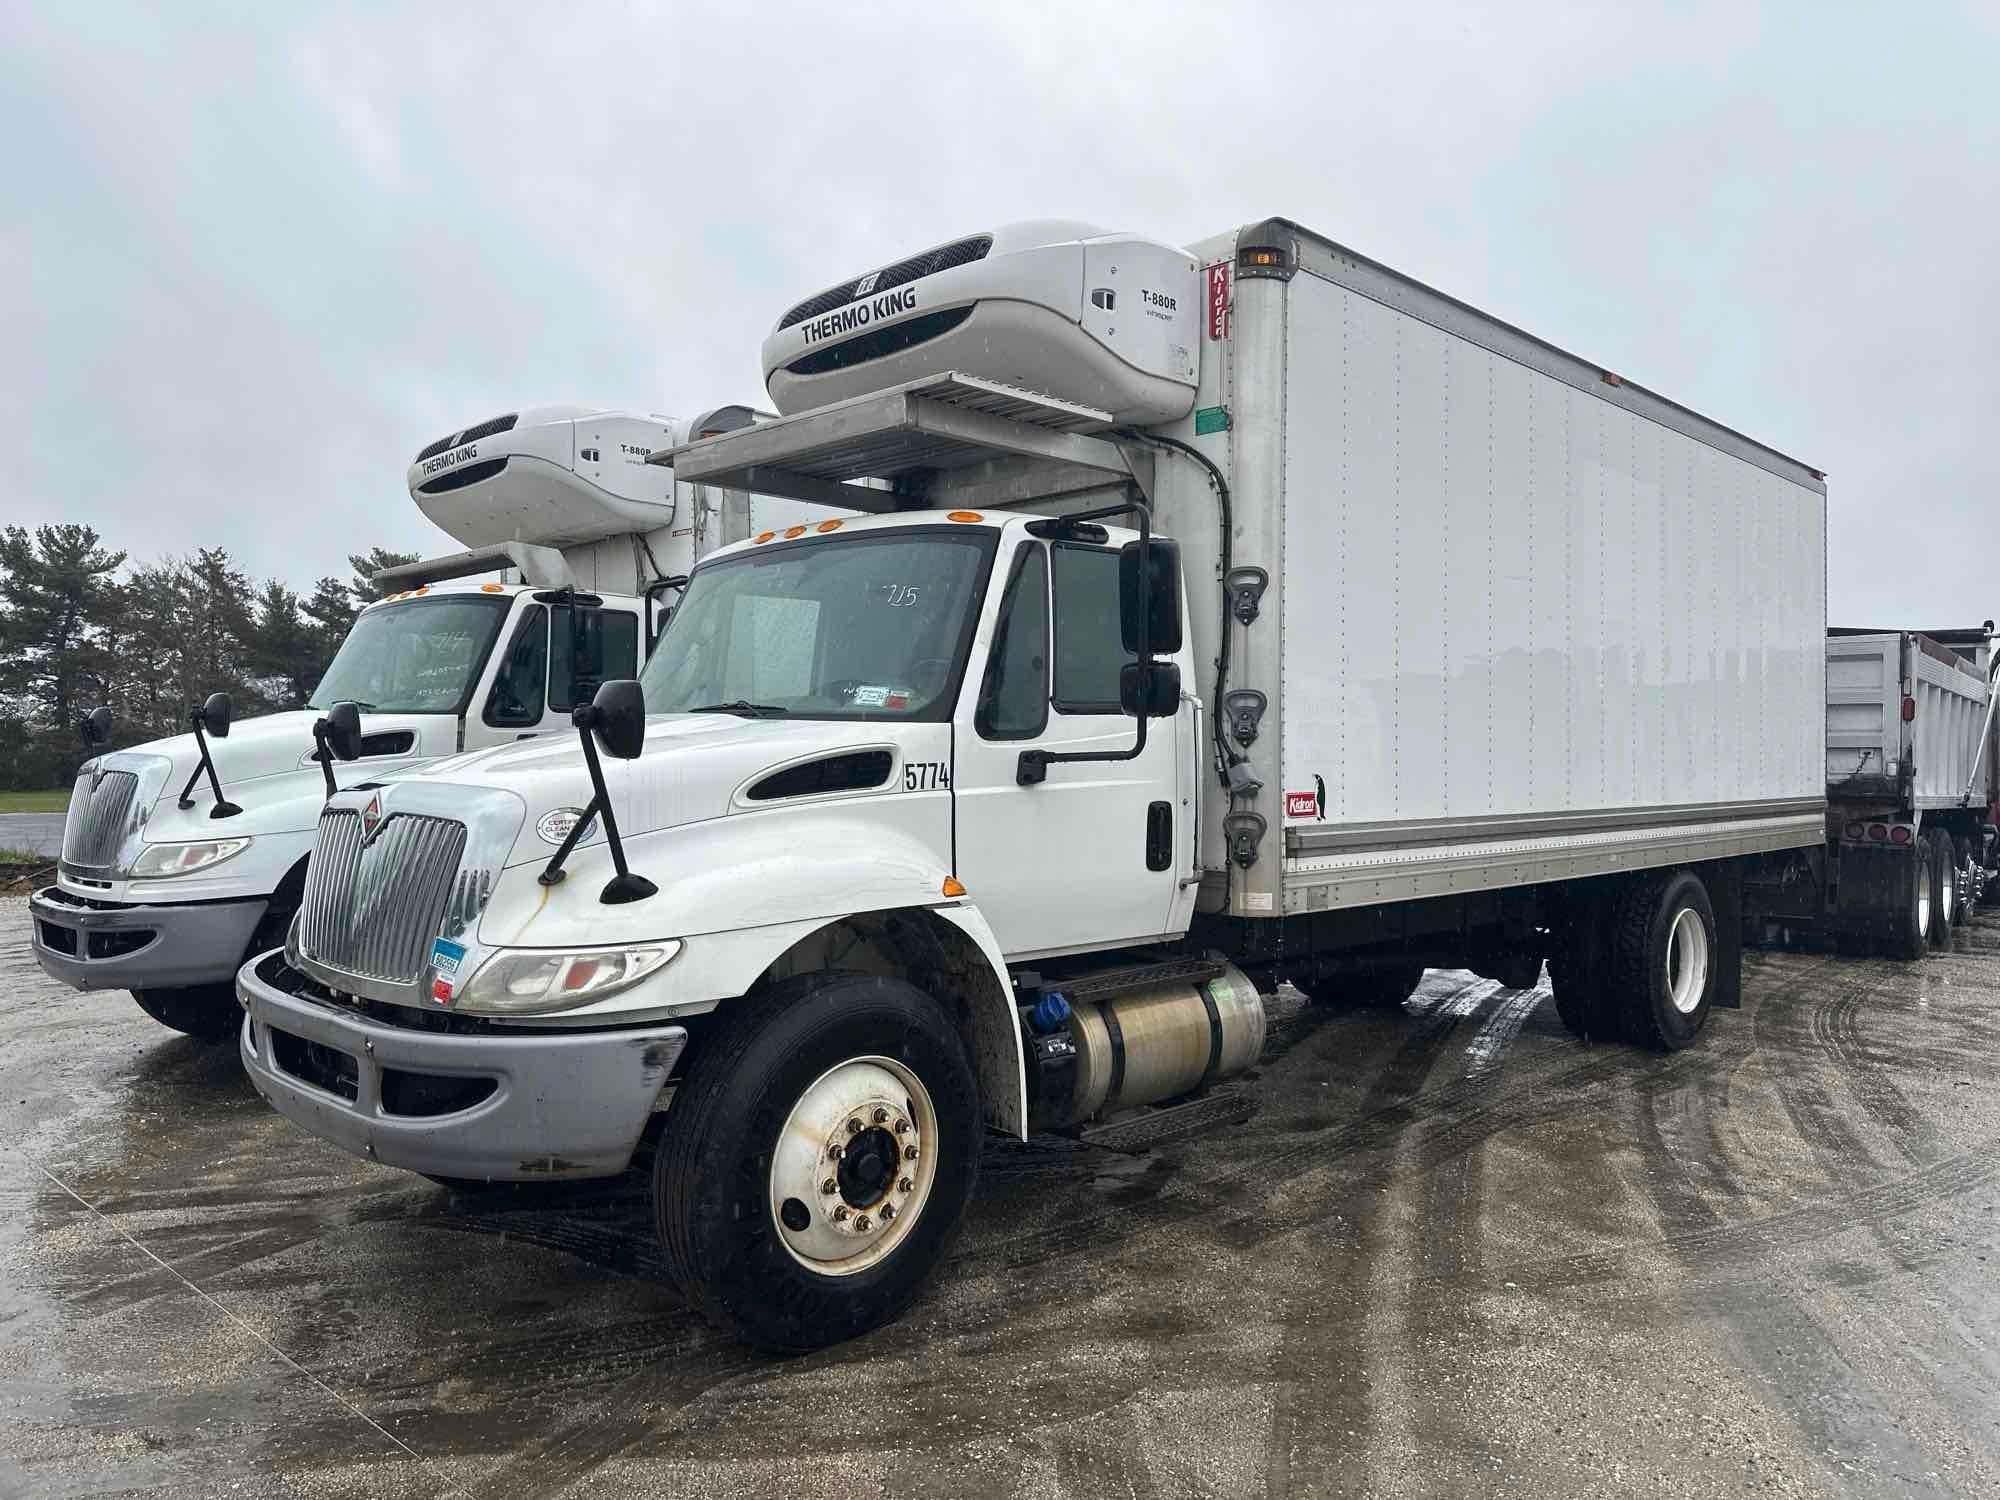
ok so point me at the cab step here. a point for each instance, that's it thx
(1103, 984)
(1153, 1128)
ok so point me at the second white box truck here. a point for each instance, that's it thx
(1220, 615)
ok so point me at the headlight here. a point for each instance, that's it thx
(528, 982)
(159, 861)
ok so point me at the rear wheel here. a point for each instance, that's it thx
(1969, 874)
(1910, 930)
(206, 1012)
(815, 1164)
(1663, 959)
(1944, 887)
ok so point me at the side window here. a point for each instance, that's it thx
(516, 700)
(587, 648)
(1089, 650)
(1014, 697)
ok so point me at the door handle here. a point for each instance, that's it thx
(1159, 835)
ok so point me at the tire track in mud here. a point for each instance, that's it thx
(1768, 1329)
(1310, 1434)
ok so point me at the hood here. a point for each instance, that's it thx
(695, 767)
(265, 762)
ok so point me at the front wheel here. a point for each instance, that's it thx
(206, 1012)
(817, 1161)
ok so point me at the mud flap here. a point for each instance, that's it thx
(1724, 880)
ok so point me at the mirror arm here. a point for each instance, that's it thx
(223, 808)
(624, 886)
(323, 753)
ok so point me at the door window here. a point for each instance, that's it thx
(587, 648)
(1090, 651)
(516, 700)
(1014, 697)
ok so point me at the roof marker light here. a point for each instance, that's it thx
(964, 516)
(792, 531)
(828, 526)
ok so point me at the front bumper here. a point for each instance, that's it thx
(140, 947)
(540, 1105)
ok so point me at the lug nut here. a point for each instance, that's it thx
(881, 1115)
(909, 1153)
(840, 1214)
(829, 1186)
(862, 1223)
(833, 1152)
(902, 1127)
(854, 1127)
(888, 1212)
(905, 1186)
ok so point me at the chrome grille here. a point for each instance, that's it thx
(372, 908)
(99, 807)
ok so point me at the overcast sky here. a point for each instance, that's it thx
(251, 260)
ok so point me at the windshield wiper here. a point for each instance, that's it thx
(745, 709)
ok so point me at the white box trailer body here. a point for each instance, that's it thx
(1533, 621)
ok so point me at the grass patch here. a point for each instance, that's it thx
(55, 801)
(25, 857)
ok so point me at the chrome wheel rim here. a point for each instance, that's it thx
(1687, 961)
(853, 1166)
(1923, 898)
(1948, 891)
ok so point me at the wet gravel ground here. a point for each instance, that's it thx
(1454, 1253)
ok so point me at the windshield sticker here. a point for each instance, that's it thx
(869, 695)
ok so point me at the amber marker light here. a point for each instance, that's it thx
(952, 887)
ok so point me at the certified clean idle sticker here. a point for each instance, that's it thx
(554, 825)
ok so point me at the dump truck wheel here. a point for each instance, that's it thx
(1910, 932)
(206, 1012)
(1944, 887)
(1663, 959)
(816, 1162)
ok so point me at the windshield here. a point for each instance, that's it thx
(867, 626)
(421, 657)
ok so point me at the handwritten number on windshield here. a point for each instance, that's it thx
(901, 595)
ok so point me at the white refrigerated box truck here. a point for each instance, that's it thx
(1218, 616)
(180, 857)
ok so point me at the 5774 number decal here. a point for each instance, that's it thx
(926, 776)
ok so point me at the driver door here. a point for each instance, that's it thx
(1087, 857)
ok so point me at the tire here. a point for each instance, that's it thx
(1381, 988)
(206, 1012)
(861, 1063)
(1944, 887)
(1663, 957)
(1910, 921)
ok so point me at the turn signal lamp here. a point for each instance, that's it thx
(952, 886)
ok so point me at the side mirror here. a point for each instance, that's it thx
(618, 717)
(1149, 689)
(1154, 601)
(215, 715)
(343, 730)
(95, 727)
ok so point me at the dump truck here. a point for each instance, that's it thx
(1910, 797)
(182, 856)
(1209, 617)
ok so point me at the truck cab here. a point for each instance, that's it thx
(182, 855)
